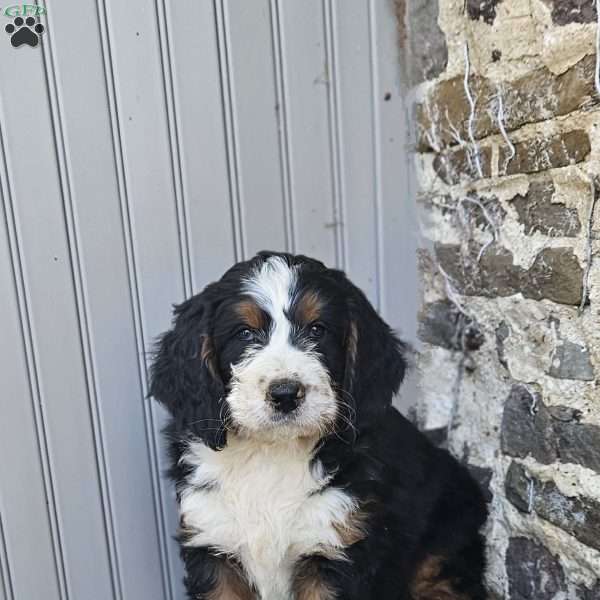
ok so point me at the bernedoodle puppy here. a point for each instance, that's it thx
(295, 476)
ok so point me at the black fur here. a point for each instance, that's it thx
(182, 380)
(420, 501)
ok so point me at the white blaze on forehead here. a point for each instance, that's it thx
(272, 285)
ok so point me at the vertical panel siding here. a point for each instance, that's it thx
(247, 57)
(299, 30)
(92, 208)
(42, 242)
(203, 149)
(139, 367)
(178, 138)
(26, 504)
(27, 494)
(350, 22)
(152, 221)
(6, 587)
(397, 223)
(75, 260)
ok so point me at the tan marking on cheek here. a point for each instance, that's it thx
(230, 585)
(309, 585)
(351, 352)
(251, 314)
(353, 528)
(309, 308)
(427, 584)
(352, 343)
(208, 356)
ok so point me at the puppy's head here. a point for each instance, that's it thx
(280, 347)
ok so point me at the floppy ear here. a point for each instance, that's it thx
(375, 363)
(184, 375)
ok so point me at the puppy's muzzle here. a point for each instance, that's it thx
(286, 395)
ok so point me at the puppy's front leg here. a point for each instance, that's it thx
(230, 584)
(210, 577)
(310, 582)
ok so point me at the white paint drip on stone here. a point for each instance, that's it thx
(530, 495)
(471, 120)
(588, 246)
(451, 292)
(490, 221)
(502, 125)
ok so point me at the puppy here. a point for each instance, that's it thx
(295, 476)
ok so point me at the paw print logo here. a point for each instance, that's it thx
(24, 32)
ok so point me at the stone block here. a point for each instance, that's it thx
(572, 11)
(538, 213)
(585, 593)
(454, 166)
(571, 361)
(530, 428)
(554, 275)
(533, 572)
(543, 153)
(442, 324)
(535, 97)
(482, 9)
(577, 515)
(527, 427)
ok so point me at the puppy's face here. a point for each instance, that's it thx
(280, 346)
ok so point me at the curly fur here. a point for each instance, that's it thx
(339, 498)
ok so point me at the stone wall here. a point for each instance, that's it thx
(506, 107)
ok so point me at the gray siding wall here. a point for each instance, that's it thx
(145, 147)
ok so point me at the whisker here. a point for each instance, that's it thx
(203, 420)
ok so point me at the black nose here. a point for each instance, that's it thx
(286, 395)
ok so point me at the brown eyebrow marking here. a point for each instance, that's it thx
(251, 314)
(309, 307)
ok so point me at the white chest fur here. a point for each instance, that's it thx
(263, 504)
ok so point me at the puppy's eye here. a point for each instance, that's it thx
(246, 335)
(316, 331)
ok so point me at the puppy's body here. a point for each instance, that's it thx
(266, 505)
(296, 478)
